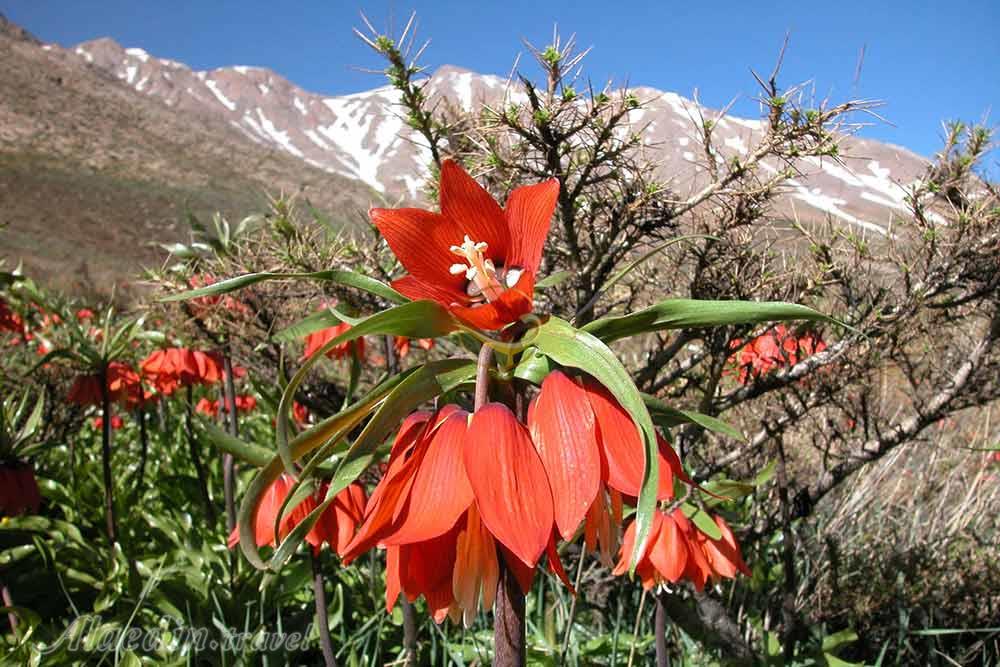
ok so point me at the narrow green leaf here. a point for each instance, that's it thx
(695, 313)
(416, 319)
(576, 348)
(702, 520)
(318, 321)
(667, 417)
(553, 279)
(253, 454)
(423, 384)
(341, 277)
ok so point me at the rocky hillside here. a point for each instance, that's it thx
(93, 174)
(362, 136)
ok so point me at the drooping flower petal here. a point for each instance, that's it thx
(440, 493)
(529, 213)
(724, 554)
(421, 241)
(668, 551)
(474, 581)
(622, 447)
(474, 211)
(561, 422)
(509, 482)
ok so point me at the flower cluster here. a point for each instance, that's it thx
(244, 403)
(335, 526)
(775, 348)
(677, 550)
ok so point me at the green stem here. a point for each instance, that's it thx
(109, 498)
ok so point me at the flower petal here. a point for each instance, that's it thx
(561, 422)
(622, 446)
(529, 214)
(421, 241)
(465, 203)
(669, 552)
(412, 288)
(440, 494)
(509, 482)
(514, 303)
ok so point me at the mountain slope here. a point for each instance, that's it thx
(92, 173)
(361, 135)
(103, 149)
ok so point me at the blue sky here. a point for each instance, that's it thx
(927, 60)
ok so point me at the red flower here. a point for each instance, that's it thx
(19, 492)
(474, 258)
(402, 345)
(168, 368)
(318, 339)
(116, 422)
(123, 386)
(457, 488)
(207, 408)
(773, 349)
(84, 314)
(677, 550)
(593, 455)
(9, 320)
(300, 414)
(335, 526)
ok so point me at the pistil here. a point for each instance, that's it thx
(479, 271)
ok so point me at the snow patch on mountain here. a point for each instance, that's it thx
(225, 101)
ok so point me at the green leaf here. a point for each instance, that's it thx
(702, 520)
(253, 454)
(318, 321)
(423, 384)
(575, 348)
(333, 427)
(667, 417)
(416, 319)
(553, 279)
(341, 277)
(695, 313)
(533, 367)
(728, 489)
(832, 642)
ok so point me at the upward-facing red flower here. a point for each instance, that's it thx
(474, 258)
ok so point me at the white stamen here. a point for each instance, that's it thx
(457, 269)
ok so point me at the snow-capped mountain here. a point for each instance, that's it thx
(362, 136)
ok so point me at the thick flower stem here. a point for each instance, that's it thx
(409, 613)
(322, 618)
(660, 631)
(508, 621)
(199, 467)
(109, 497)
